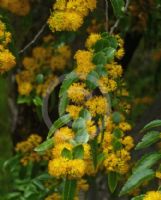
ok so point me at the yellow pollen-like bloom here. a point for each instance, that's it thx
(7, 60)
(124, 126)
(57, 150)
(54, 196)
(74, 110)
(77, 92)
(24, 88)
(107, 85)
(153, 195)
(92, 39)
(63, 135)
(128, 142)
(84, 63)
(61, 167)
(97, 105)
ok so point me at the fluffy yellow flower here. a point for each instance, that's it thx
(67, 20)
(128, 142)
(77, 92)
(114, 70)
(63, 135)
(17, 7)
(29, 63)
(107, 85)
(25, 88)
(57, 62)
(62, 167)
(92, 39)
(124, 126)
(97, 105)
(74, 110)
(84, 63)
(153, 195)
(120, 53)
(57, 150)
(7, 60)
(54, 196)
(39, 53)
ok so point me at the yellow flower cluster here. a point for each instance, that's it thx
(116, 148)
(69, 15)
(97, 105)
(18, 7)
(41, 69)
(73, 168)
(7, 60)
(77, 92)
(92, 39)
(26, 148)
(69, 168)
(153, 195)
(84, 63)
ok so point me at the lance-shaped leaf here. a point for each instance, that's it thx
(112, 181)
(147, 161)
(69, 189)
(58, 124)
(140, 197)
(69, 79)
(152, 124)
(148, 139)
(45, 145)
(63, 104)
(136, 180)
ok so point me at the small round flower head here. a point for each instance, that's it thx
(153, 195)
(77, 92)
(92, 39)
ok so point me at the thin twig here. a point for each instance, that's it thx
(106, 13)
(34, 39)
(118, 20)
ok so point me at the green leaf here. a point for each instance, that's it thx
(116, 117)
(24, 99)
(118, 7)
(66, 153)
(99, 58)
(117, 145)
(148, 139)
(92, 80)
(78, 152)
(147, 161)
(152, 124)
(117, 133)
(69, 189)
(58, 124)
(112, 181)
(85, 114)
(63, 104)
(101, 44)
(40, 78)
(136, 180)
(45, 145)
(109, 54)
(94, 150)
(69, 79)
(140, 197)
(82, 136)
(38, 101)
(78, 124)
(100, 158)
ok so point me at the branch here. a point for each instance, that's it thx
(34, 39)
(118, 20)
(106, 14)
